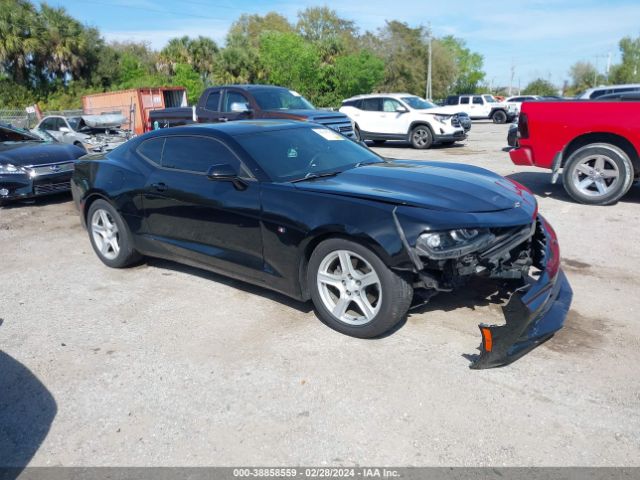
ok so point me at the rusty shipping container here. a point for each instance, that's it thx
(135, 104)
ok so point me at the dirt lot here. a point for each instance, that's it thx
(167, 365)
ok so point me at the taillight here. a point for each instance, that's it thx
(523, 126)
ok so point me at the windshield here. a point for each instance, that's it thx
(43, 135)
(281, 99)
(13, 135)
(74, 122)
(489, 99)
(296, 153)
(418, 103)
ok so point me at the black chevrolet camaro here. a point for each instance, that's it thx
(300, 209)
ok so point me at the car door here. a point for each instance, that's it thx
(368, 119)
(51, 126)
(393, 121)
(478, 107)
(232, 103)
(209, 111)
(209, 221)
(465, 106)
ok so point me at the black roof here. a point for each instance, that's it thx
(239, 127)
(246, 86)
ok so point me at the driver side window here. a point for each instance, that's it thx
(390, 105)
(198, 155)
(234, 97)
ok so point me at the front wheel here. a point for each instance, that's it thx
(499, 116)
(598, 174)
(421, 137)
(354, 292)
(109, 235)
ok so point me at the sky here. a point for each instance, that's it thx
(537, 38)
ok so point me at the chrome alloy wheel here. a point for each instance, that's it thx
(105, 234)
(595, 176)
(421, 136)
(349, 287)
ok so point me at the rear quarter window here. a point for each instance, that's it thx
(152, 150)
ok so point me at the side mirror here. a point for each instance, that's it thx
(401, 109)
(64, 130)
(226, 173)
(240, 107)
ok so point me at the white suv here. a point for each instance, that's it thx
(481, 107)
(402, 116)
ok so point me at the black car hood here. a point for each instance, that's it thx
(310, 115)
(433, 185)
(34, 153)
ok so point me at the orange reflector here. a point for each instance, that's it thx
(488, 341)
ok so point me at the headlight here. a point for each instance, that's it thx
(442, 118)
(9, 169)
(454, 243)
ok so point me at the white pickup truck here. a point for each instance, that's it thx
(480, 107)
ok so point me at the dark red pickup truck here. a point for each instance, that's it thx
(595, 143)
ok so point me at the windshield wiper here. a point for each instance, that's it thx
(312, 176)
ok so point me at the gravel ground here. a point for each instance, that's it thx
(167, 365)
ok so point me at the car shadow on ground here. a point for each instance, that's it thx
(401, 144)
(39, 201)
(540, 184)
(27, 410)
(304, 307)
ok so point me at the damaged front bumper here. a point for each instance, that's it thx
(533, 314)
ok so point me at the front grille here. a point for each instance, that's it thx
(339, 123)
(51, 169)
(46, 188)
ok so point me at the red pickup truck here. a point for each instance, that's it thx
(595, 143)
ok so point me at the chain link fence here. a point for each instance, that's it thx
(18, 118)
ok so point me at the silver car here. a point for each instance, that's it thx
(94, 133)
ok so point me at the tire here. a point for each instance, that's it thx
(499, 116)
(102, 217)
(379, 143)
(386, 296)
(421, 137)
(356, 132)
(597, 174)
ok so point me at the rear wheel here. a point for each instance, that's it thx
(354, 292)
(421, 137)
(499, 116)
(109, 235)
(598, 174)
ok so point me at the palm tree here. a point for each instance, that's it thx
(18, 38)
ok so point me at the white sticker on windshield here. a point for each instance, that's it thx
(328, 134)
(294, 93)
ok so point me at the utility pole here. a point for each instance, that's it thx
(513, 73)
(428, 92)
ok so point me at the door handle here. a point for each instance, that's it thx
(223, 119)
(160, 187)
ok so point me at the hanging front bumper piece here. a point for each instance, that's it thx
(535, 311)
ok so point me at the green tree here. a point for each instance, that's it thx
(251, 27)
(540, 86)
(357, 73)
(404, 52)
(18, 39)
(583, 75)
(291, 62)
(317, 24)
(628, 71)
(469, 73)
(186, 76)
